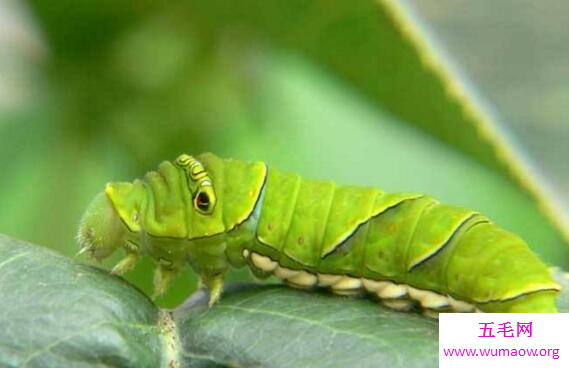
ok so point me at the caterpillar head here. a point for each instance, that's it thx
(143, 211)
(178, 202)
(101, 230)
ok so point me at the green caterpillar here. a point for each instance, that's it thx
(406, 248)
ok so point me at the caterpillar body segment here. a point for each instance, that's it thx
(406, 249)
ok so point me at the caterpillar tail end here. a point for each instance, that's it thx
(539, 302)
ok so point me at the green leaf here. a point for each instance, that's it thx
(281, 327)
(59, 313)
(274, 326)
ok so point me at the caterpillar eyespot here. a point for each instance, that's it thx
(202, 201)
(406, 249)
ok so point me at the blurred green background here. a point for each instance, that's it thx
(93, 91)
(516, 52)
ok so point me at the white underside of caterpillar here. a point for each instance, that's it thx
(396, 296)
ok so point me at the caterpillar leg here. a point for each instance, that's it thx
(129, 261)
(126, 264)
(163, 277)
(214, 284)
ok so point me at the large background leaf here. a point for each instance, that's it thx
(515, 51)
(56, 313)
(281, 327)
